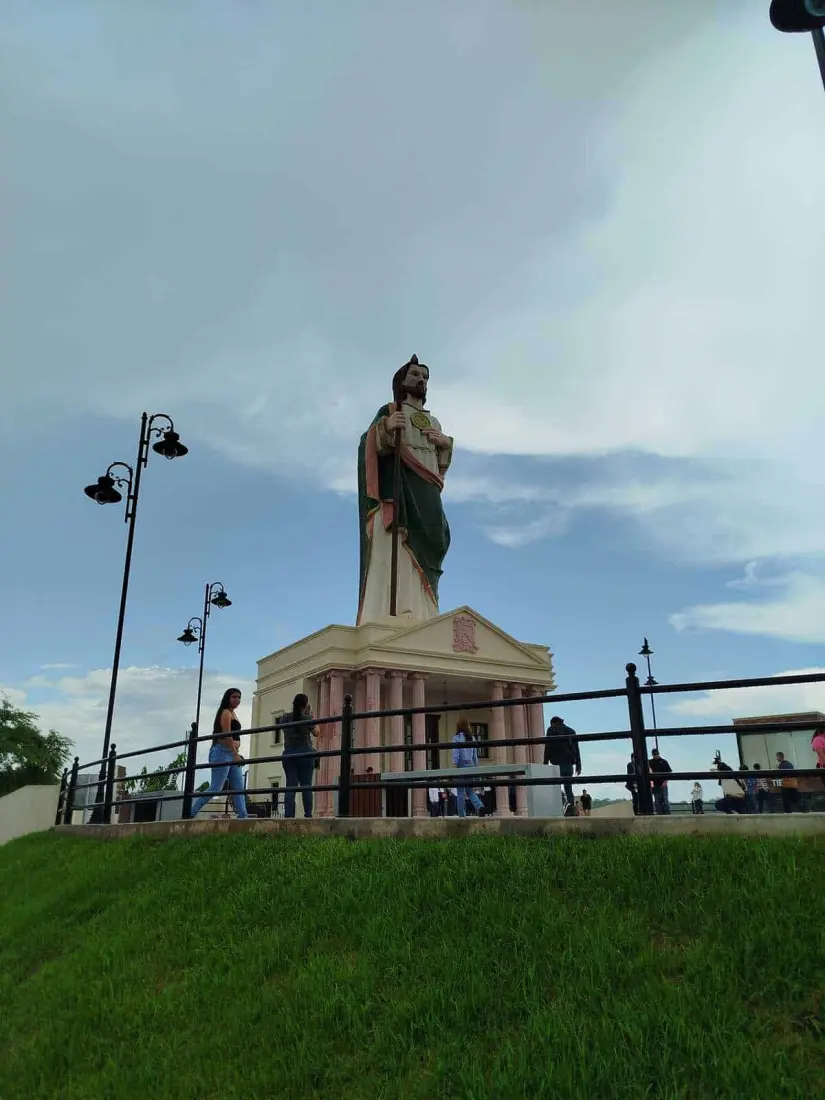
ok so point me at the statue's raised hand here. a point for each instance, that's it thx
(396, 420)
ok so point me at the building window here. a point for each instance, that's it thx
(481, 734)
(277, 735)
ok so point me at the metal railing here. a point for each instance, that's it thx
(346, 751)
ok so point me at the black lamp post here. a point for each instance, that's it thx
(120, 475)
(647, 653)
(802, 16)
(214, 596)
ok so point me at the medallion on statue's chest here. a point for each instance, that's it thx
(464, 634)
(420, 420)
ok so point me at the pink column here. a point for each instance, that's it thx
(419, 728)
(333, 741)
(322, 740)
(497, 733)
(359, 705)
(518, 726)
(323, 696)
(395, 763)
(535, 724)
(372, 726)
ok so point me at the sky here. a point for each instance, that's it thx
(600, 225)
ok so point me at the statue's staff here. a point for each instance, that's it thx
(398, 399)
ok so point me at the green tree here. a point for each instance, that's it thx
(151, 782)
(27, 755)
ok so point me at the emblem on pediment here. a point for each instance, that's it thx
(464, 634)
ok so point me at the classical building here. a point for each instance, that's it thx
(457, 657)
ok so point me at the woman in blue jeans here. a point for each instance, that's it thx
(224, 755)
(299, 755)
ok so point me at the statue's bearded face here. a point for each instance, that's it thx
(415, 381)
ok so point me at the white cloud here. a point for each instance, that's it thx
(729, 703)
(522, 534)
(794, 611)
(639, 281)
(153, 706)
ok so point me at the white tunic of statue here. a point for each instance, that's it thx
(413, 599)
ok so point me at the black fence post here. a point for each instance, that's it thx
(111, 767)
(637, 732)
(344, 788)
(70, 792)
(61, 794)
(189, 774)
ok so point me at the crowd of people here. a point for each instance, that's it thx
(744, 791)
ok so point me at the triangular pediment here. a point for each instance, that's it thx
(464, 634)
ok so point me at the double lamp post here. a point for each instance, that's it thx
(121, 477)
(214, 596)
(107, 490)
(802, 17)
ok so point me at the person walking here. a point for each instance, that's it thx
(298, 757)
(587, 804)
(789, 786)
(660, 766)
(697, 798)
(434, 799)
(224, 756)
(564, 754)
(465, 755)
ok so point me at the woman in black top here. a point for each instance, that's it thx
(299, 755)
(224, 755)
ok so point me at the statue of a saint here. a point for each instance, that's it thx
(423, 531)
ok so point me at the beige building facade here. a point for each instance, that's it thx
(458, 657)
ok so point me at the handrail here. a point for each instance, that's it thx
(347, 751)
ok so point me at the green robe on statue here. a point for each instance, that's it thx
(424, 534)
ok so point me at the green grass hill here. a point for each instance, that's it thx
(244, 967)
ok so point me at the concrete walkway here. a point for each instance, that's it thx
(811, 824)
